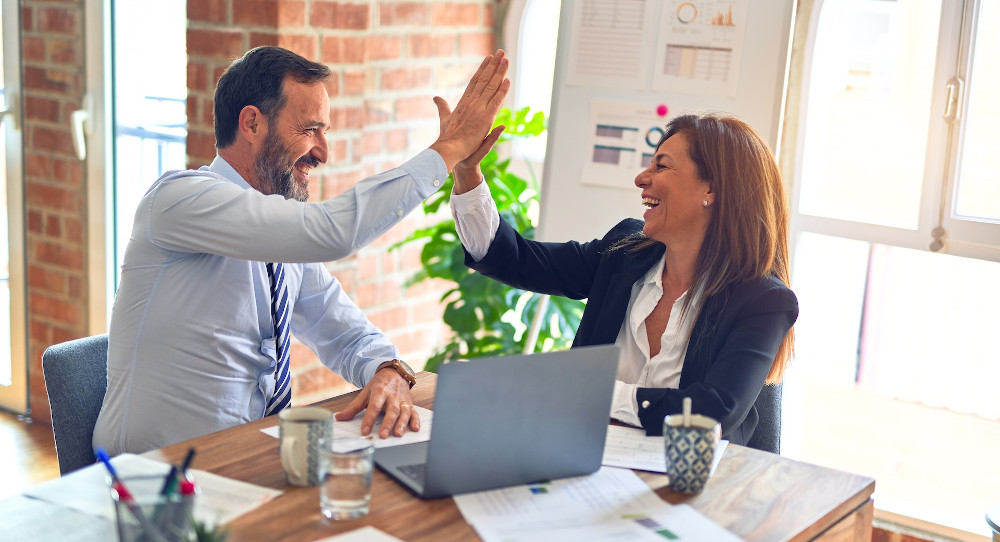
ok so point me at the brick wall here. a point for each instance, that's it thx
(388, 60)
(54, 189)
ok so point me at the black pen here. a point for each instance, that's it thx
(187, 462)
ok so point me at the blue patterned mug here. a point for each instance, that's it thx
(690, 451)
(301, 432)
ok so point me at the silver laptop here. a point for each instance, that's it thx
(510, 420)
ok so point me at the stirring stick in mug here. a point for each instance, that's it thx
(686, 407)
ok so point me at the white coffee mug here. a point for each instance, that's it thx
(301, 431)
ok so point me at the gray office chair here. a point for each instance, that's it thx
(767, 436)
(76, 377)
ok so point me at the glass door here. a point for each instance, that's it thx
(13, 363)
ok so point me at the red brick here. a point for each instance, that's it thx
(291, 13)
(64, 51)
(220, 44)
(27, 19)
(489, 15)
(347, 118)
(427, 311)
(396, 140)
(51, 197)
(51, 140)
(338, 152)
(454, 14)
(369, 264)
(209, 11)
(46, 280)
(302, 44)
(317, 380)
(403, 13)
(391, 318)
(197, 76)
(54, 309)
(378, 111)
(340, 15)
(34, 221)
(59, 20)
(371, 142)
(53, 228)
(427, 45)
(415, 108)
(76, 287)
(354, 83)
(58, 255)
(47, 80)
(74, 230)
(256, 13)
(342, 50)
(477, 44)
(208, 115)
(33, 49)
(38, 108)
(406, 78)
(200, 143)
(37, 166)
(68, 172)
(384, 47)
(260, 39)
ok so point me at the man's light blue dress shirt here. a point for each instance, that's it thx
(191, 342)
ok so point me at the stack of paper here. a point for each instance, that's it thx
(611, 504)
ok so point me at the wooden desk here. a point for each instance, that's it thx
(756, 495)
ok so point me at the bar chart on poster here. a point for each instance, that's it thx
(623, 69)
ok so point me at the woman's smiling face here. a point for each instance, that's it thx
(674, 194)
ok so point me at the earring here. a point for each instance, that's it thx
(704, 203)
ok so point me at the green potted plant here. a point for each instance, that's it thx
(488, 318)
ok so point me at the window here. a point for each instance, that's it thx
(136, 125)
(531, 32)
(896, 236)
(13, 339)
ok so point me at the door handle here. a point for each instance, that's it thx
(80, 121)
(9, 111)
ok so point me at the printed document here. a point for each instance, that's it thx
(611, 504)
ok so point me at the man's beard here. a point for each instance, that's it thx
(273, 174)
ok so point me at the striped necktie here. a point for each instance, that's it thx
(279, 314)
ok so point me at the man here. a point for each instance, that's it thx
(199, 331)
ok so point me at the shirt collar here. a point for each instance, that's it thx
(221, 167)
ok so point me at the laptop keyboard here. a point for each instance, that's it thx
(415, 472)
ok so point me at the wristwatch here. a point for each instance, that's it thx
(402, 368)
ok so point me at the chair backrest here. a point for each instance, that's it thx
(76, 377)
(767, 436)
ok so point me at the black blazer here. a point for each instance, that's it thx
(732, 345)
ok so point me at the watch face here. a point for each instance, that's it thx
(405, 367)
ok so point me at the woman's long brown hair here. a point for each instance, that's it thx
(747, 237)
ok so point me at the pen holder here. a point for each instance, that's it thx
(144, 514)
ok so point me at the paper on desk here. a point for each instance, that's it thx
(353, 428)
(364, 534)
(25, 518)
(221, 500)
(611, 504)
(629, 447)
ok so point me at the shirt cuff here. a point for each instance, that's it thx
(476, 219)
(623, 404)
(428, 170)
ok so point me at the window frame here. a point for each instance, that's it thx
(15, 396)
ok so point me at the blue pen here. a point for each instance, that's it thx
(102, 455)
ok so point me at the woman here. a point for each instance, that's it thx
(696, 295)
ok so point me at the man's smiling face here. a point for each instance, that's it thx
(295, 142)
